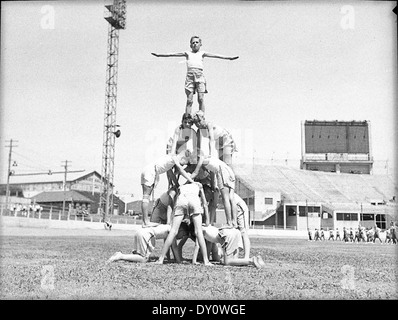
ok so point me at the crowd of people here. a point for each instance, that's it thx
(360, 234)
(198, 169)
(26, 209)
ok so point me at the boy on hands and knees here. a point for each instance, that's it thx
(243, 223)
(144, 239)
(150, 178)
(195, 79)
(191, 199)
(230, 241)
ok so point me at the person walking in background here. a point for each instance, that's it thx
(376, 234)
(309, 235)
(331, 235)
(322, 236)
(338, 234)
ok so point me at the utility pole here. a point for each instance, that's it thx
(116, 17)
(9, 170)
(64, 185)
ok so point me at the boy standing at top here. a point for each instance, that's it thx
(195, 80)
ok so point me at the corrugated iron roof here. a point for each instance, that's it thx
(59, 196)
(316, 186)
(51, 178)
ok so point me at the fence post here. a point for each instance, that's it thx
(51, 213)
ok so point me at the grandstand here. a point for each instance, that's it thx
(289, 198)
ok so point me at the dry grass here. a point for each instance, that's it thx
(295, 269)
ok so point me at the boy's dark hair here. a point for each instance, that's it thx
(186, 116)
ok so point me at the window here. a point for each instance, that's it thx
(312, 211)
(367, 216)
(346, 216)
(381, 221)
(326, 215)
(268, 200)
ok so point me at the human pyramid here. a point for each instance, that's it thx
(187, 210)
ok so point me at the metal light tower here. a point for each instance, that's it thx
(115, 14)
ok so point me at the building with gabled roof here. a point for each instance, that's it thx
(284, 197)
(80, 189)
(30, 185)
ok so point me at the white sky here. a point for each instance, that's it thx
(298, 61)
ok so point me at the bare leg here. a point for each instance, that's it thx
(175, 225)
(201, 101)
(181, 244)
(234, 210)
(246, 243)
(213, 207)
(197, 220)
(227, 204)
(132, 257)
(188, 108)
(146, 193)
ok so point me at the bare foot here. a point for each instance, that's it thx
(256, 263)
(115, 257)
(260, 260)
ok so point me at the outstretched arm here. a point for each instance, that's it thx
(197, 168)
(205, 207)
(185, 174)
(176, 54)
(219, 56)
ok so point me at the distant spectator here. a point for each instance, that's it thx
(376, 234)
(393, 231)
(362, 233)
(351, 235)
(357, 237)
(388, 236)
(322, 237)
(309, 235)
(331, 235)
(369, 235)
(338, 234)
(316, 236)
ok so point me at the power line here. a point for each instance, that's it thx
(9, 169)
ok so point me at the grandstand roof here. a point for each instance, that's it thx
(316, 186)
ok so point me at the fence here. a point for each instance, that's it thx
(56, 213)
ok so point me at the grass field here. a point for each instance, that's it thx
(295, 269)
